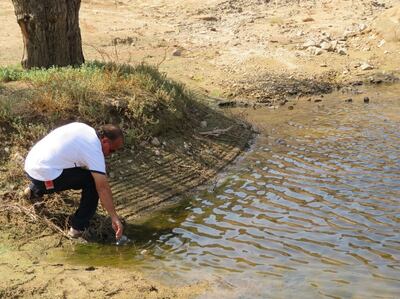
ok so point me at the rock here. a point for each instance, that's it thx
(318, 51)
(381, 43)
(176, 52)
(326, 46)
(111, 175)
(309, 43)
(315, 51)
(209, 18)
(348, 100)
(348, 34)
(7, 149)
(327, 35)
(203, 124)
(317, 100)
(334, 44)
(366, 67)
(290, 107)
(155, 142)
(342, 51)
(157, 152)
(323, 65)
(308, 19)
(366, 99)
(362, 27)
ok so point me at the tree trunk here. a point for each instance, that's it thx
(51, 33)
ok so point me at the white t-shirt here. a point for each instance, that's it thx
(72, 145)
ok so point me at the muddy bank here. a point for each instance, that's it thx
(25, 273)
(144, 177)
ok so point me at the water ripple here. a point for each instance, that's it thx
(312, 206)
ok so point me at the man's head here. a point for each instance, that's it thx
(111, 138)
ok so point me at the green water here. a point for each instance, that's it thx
(312, 211)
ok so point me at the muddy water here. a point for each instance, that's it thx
(312, 211)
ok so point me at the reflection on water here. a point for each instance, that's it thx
(311, 211)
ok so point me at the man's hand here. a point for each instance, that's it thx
(118, 227)
(104, 191)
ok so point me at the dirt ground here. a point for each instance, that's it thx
(221, 47)
(258, 50)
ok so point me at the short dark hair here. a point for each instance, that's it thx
(112, 132)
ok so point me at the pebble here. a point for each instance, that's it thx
(326, 46)
(308, 44)
(365, 66)
(90, 268)
(348, 100)
(177, 52)
(362, 27)
(342, 51)
(309, 19)
(122, 241)
(209, 18)
(366, 99)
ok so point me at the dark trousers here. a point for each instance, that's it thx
(77, 179)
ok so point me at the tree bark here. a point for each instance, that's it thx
(50, 31)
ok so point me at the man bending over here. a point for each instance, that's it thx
(72, 157)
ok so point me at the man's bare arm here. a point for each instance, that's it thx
(105, 195)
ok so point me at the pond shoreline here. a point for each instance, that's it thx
(248, 53)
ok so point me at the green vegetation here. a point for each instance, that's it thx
(141, 99)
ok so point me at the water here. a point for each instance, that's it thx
(312, 211)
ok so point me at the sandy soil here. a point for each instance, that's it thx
(218, 47)
(242, 49)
